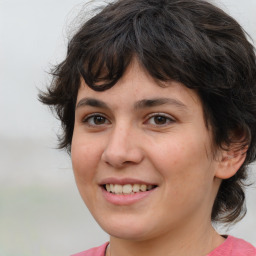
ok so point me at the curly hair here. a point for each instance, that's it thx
(189, 41)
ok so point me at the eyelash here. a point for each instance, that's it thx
(168, 119)
(92, 116)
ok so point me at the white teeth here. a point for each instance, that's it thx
(118, 189)
(136, 188)
(108, 187)
(127, 188)
(143, 188)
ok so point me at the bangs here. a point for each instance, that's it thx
(102, 69)
(158, 46)
(170, 43)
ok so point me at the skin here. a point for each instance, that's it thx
(167, 145)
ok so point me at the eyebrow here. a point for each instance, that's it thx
(92, 102)
(145, 103)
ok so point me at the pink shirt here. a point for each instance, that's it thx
(230, 247)
(234, 247)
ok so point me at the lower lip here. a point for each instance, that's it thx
(125, 199)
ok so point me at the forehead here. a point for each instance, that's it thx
(136, 85)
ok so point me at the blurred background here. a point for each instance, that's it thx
(41, 212)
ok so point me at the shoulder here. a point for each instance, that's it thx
(234, 247)
(96, 251)
(243, 247)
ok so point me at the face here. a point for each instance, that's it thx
(142, 158)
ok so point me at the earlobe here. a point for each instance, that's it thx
(230, 162)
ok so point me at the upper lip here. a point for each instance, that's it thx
(123, 181)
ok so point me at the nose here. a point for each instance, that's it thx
(122, 148)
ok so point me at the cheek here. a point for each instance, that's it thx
(187, 174)
(183, 160)
(175, 152)
(85, 157)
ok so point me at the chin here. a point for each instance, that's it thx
(136, 231)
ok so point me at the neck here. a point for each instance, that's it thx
(189, 243)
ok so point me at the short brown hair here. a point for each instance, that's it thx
(190, 41)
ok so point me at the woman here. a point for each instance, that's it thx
(157, 103)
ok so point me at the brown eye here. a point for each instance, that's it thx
(96, 120)
(160, 120)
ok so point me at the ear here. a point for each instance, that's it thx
(229, 162)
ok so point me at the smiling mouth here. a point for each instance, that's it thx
(127, 188)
